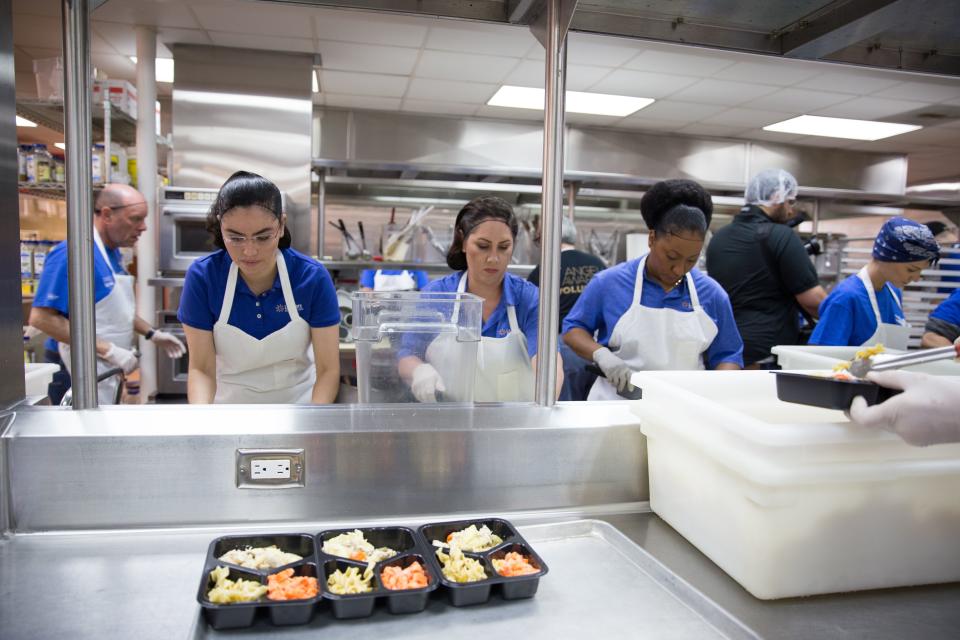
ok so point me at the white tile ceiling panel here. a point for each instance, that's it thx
(679, 63)
(824, 142)
(798, 100)
(36, 31)
(702, 129)
(435, 106)
(753, 118)
(361, 102)
(932, 136)
(642, 84)
(768, 136)
(769, 71)
(38, 7)
(649, 124)
(595, 50)
(447, 65)
(160, 14)
(722, 92)
(487, 111)
(369, 28)
(856, 82)
(368, 58)
(22, 61)
(928, 91)
(122, 37)
(363, 84)
(674, 111)
(869, 108)
(450, 91)
(264, 19)
(267, 43)
(476, 37)
(591, 120)
(530, 73)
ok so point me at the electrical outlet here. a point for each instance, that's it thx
(270, 468)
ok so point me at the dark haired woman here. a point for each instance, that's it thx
(658, 311)
(484, 235)
(261, 319)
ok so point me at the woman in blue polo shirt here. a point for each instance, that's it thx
(261, 319)
(658, 311)
(483, 241)
(866, 308)
(943, 326)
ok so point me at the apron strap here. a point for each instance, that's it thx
(512, 318)
(692, 289)
(871, 294)
(228, 294)
(103, 250)
(638, 282)
(285, 286)
(461, 288)
(893, 294)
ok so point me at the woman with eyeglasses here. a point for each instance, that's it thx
(261, 319)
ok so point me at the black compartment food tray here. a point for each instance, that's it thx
(512, 588)
(409, 547)
(826, 392)
(243, 614)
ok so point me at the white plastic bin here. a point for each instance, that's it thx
(37, 377)
(808, 358)
(793, 500)
(49, 76)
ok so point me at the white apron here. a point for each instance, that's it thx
(114, 314)
(504, 370)
(658, 339)
(276, 370)
(394, 282)
(891, 336)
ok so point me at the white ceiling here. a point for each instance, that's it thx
(431, 65)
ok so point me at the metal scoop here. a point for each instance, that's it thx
(862, 366)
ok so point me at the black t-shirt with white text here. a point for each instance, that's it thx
(577, 268)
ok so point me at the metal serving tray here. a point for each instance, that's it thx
(601, 585)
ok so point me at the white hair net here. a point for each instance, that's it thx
(771, 187)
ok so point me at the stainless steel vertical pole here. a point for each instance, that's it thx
(555, 45)
(321, 211)
(77, 134)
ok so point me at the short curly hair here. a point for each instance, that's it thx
(666, 194)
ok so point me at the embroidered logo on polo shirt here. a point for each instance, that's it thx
(282, 308)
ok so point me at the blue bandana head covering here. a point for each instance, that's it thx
(902, 240)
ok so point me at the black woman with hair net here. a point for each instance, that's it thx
(657, 312)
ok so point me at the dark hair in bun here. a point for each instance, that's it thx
(478, 210)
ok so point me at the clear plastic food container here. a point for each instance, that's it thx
(399, 330)
(809, 358)
(792, 500)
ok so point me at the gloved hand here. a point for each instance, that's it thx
(170, 344)
(426, 383)
(615, 370)
(122, 358)
(927, 412)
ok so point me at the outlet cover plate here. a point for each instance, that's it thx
(294, 458)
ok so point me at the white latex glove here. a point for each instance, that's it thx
(927, 412)
(426, 383)
(170, 344)
(615, 370)
(122, 358)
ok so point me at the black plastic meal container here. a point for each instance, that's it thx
(243, 614)
(408, 546)
(511, 588)
(828, 392)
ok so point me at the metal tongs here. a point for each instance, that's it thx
(862, 366)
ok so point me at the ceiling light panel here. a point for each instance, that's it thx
(841, 128)
(23, 122)
(163, 68)
(601, 104)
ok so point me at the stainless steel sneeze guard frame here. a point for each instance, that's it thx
(124, 467)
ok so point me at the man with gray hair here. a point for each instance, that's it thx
(120, 214)
(764, 268)
(577, 268)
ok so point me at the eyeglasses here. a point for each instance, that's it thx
(260, 240)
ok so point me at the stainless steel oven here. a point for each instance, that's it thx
(171, 372)
(183, 232)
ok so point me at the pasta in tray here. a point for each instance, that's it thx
(354, 546)
(227, 591)
(349, 582)
(471, 539)
(259, 557)
(460, 568)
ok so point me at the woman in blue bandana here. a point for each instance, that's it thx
(867, 308)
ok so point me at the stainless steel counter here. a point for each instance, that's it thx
(142, 584)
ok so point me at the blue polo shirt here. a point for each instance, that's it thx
(53, 290)
(367, 276)
(258, 315)
(949, 309)
(610, 293)
(846, 317)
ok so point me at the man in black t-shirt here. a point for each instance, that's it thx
(577, 268)
(764, 268)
